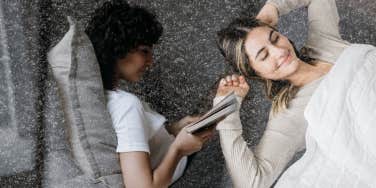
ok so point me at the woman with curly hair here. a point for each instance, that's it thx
(123, 37)
(323, 100)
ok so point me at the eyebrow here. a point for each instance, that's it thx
(270, 38)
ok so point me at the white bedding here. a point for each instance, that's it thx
(341, 134)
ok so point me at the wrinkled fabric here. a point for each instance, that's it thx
(340, 138)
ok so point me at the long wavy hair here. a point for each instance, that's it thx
(231, 44)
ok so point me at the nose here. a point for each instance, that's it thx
(278, 52)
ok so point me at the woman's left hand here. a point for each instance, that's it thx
(268, 14)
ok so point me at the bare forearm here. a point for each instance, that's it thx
(163, 174)
(137, 170)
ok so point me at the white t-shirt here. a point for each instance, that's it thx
(139, 128)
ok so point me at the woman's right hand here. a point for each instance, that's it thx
(268, 14)
(235, 83)
(186, 143)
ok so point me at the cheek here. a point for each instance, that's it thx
(142, 61)
(265, 69)
(136, 64)
(139, 65)
(126, 69)
(288, 45)
(130, 70)
(287, 71)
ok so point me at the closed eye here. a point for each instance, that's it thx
(266, 56)
(145, 49)
(273, 38)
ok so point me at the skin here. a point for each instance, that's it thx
(135, 166)
(133, 66)
(272, 57)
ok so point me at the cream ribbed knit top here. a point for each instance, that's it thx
(285, 131)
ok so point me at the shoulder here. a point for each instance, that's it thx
(293, 114)
(123, 99)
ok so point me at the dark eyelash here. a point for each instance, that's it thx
(266, 55)
(144, 50)
(276, 39)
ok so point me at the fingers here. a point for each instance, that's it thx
(230, 80)
(223, 82)
(201, 138)
(243, 83)
(207, 137)
(206, 134)
(235, 80)
(196, 118)
(187, 120)
(230, 83)
(191, 119)
(241, 79)
(220, 119)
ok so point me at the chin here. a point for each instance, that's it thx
(291, 68)
(133, 79)
(136, 79)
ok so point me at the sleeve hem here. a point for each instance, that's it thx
(132, 148)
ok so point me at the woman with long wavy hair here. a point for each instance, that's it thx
(335, 155)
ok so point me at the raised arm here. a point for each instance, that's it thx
(322, 14)
(324, 41)
(272, 9)
(281, 140)
(286, 6)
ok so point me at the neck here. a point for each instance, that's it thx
(305, 74)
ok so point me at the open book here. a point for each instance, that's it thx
(225, 107)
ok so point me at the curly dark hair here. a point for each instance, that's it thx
(115, 29)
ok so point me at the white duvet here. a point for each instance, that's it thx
(341, 133)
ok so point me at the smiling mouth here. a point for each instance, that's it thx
(285, 61)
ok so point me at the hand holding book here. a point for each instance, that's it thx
(227, 106)
(231, 86)
(175, 127)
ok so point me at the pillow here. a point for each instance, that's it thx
(17, 141)
(88, 124)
